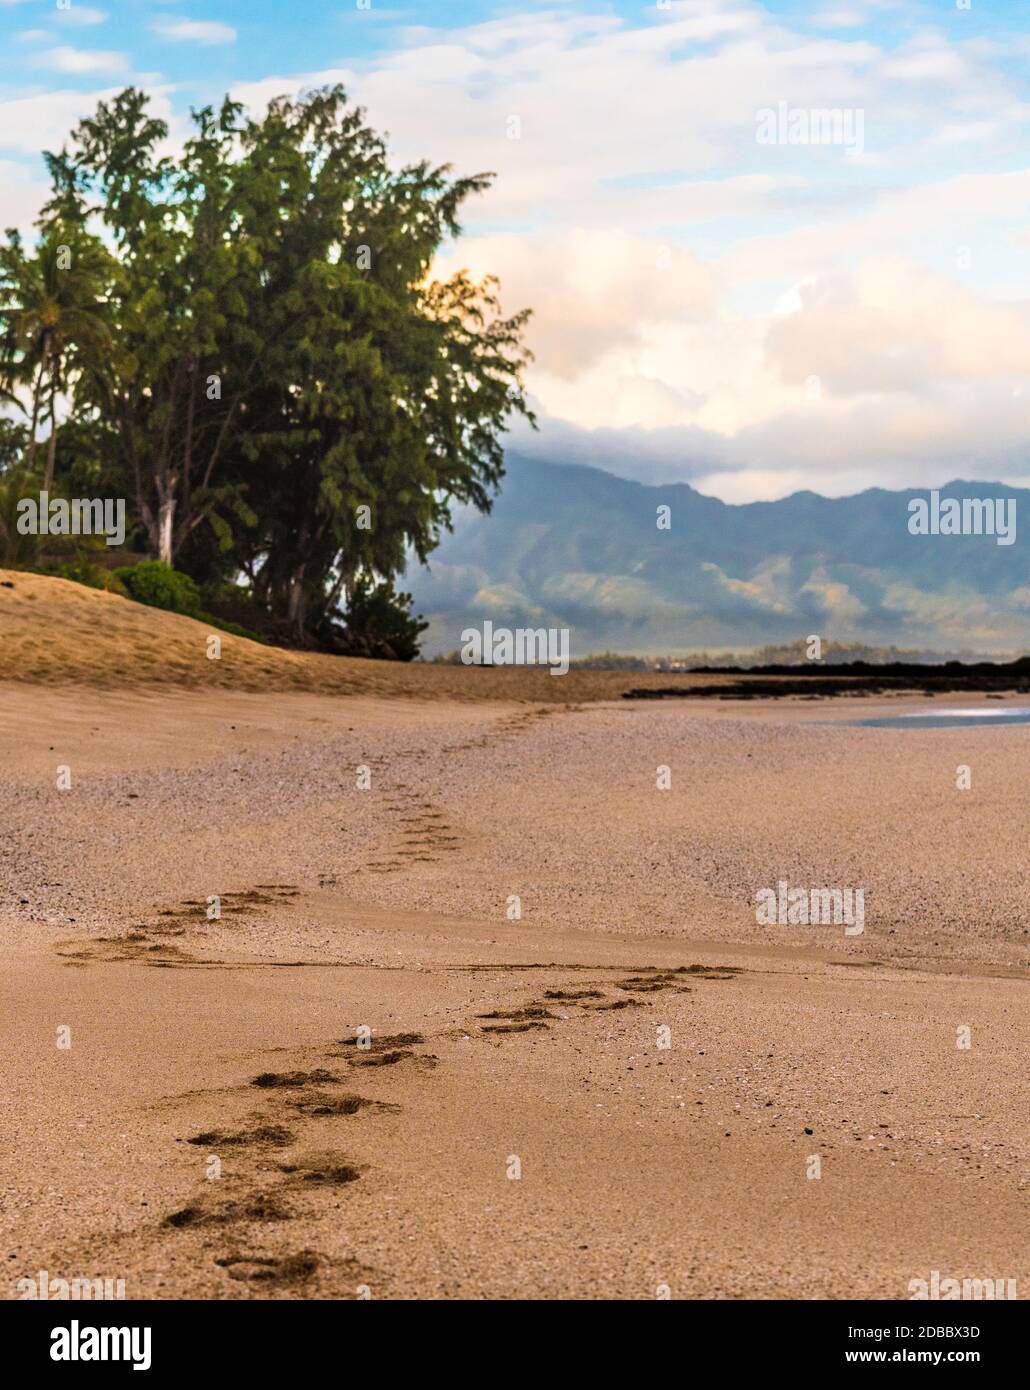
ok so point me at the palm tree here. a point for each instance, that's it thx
(53, 310)
(15, 549)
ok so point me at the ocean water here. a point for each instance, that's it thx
(948, 719)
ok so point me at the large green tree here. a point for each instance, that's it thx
(177, 299)
(287, 379)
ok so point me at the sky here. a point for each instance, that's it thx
(715, 302)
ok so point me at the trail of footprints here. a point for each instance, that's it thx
(273, 1179)
(270, 1179)
(425, 838)
(427, 835)
(512, 724)
(541, 1012)
(162, 943)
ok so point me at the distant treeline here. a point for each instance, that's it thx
(782, 654)
(796, 654)
(817, 680)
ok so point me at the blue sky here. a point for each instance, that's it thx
(750, 316)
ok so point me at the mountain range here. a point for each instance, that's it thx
(655, 569)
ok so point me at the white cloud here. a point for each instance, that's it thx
(879, 276)
(895, 328)
(839, 19)
(931, 60)
(896, 278)
(79, 60)
(591, 291)
(81, 16)
(21, 192)
(43, 121)
(195, 30)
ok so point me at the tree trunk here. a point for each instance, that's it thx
(165, 518)
(37, 392)
(342, 584)
(51, 448)
(297, 602)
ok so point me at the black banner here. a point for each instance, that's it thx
(264, 1338)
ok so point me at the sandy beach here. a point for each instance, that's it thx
(592, 1073)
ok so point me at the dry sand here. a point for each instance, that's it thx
(498, 1044)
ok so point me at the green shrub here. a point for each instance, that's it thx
(158, 585)
(16, 551)
(377, 616)
(226, 626)
(83, 571)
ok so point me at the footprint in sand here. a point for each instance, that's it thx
(321, 1168)
(273, 1080)
(384, 1051)
(256, 1206)
(276, 1269)
(261, 1136)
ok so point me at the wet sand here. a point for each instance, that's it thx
(504, 1044)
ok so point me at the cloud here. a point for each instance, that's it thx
(973, 210)
(757, 319)
(834, 599)
(824, 321)
(21, 192)
(591, 291)
(77, 60)
(833, 445)
(930, 59)
(895, 328)
(839, 19)
(961, 619)
(195, 30)
(768, 589)
(43, 121)
(81, 15)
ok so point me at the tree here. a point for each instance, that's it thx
(387, 403)
(380, 622)
(286, 372)
(15, 548)
(181, 285)
(54, 322)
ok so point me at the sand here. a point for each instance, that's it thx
(59, 633)
(515, 1130)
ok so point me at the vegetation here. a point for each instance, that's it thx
(379, 623)
(247, 343)
(775, 654)
(159, 586)
(82, 570)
